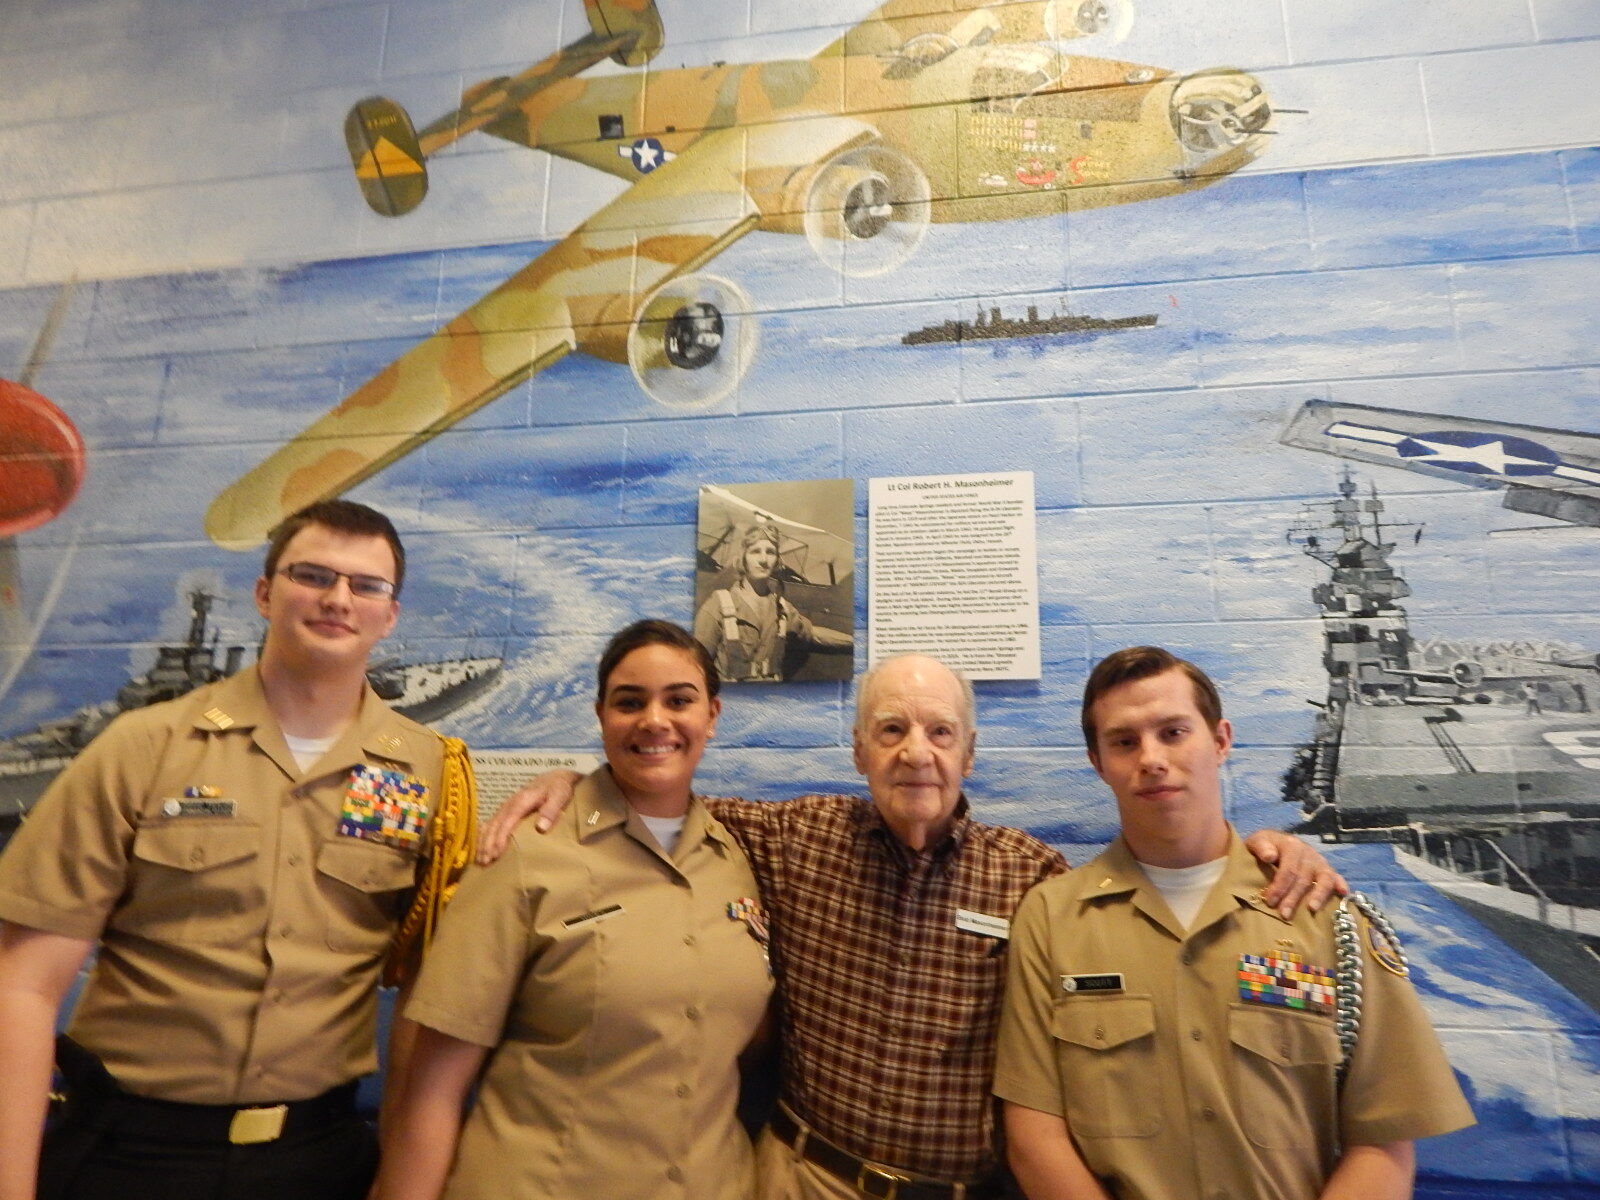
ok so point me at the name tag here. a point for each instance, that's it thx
(208, 807)
(1110, 981)
(982, 923)
(590, 918)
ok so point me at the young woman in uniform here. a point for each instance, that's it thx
(603, 978)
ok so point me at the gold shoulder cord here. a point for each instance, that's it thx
(452, 837)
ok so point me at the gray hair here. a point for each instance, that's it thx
(868, 677)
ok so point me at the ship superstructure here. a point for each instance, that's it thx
(1483, 770)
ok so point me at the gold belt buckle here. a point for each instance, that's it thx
(869, 1172)
(252, 1126)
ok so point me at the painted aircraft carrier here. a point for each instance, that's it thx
(1479, 760)
(423, 691)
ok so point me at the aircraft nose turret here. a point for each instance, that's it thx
(1217, 112)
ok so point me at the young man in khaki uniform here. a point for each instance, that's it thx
(1166, 1034)
(240, 855)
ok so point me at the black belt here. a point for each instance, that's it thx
(240, 1125)
(869, 1178)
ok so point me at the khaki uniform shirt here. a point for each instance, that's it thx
(240, 933)
(1173, 1087)
(618, 990)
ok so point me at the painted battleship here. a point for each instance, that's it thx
(423, 691)
(994, 324)
(1478, 760)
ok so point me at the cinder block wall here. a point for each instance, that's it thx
(1423, 237)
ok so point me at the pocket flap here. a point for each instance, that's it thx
(195, 846)
(365, 866)
(1289, 1039)
(1103, 1022)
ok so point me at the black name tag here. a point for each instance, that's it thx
(589, 918)
(1111, 982)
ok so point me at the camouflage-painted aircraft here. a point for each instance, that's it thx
(971, 113)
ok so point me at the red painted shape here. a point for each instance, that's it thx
(41, 459)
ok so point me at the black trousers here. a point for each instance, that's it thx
(332, 1162)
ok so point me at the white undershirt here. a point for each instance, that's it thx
(666, 830)
(1185, 888)
(306, 751)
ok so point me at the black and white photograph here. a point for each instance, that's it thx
(775, 580)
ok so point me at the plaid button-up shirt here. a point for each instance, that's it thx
(889, 1009)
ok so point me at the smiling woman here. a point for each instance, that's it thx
(609, 972)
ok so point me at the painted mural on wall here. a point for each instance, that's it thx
(959, 116)
(1169, 358)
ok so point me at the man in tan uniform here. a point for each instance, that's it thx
(1167, 1035)
(240, 855)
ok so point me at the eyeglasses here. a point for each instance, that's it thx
(320, 578)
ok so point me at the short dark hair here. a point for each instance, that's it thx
(654, 633)
(1141, 662)
(341, 516)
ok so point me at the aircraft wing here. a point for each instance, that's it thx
(815, 554)
(516, 330)
(1550, 472)
(974, 22)
(585, 293)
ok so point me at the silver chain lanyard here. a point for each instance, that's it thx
(1347, 978)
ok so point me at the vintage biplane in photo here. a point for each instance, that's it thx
(973, 113)
(807, 554)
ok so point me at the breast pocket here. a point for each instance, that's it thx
(363, 884)
(1285, 1067)
(1106, 1052)
(194, 881)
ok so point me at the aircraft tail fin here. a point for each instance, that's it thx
(387, 158)
(638, 20)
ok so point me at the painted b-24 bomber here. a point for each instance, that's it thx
(973, 113)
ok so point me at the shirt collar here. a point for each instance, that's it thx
(239, 702)
(870, 823)
(598, 805)
(1119, 876)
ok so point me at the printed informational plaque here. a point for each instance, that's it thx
(954, 572)
(501, 772)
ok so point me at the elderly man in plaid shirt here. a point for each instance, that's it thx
(889, 920)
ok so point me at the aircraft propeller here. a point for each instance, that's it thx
(42, 465)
